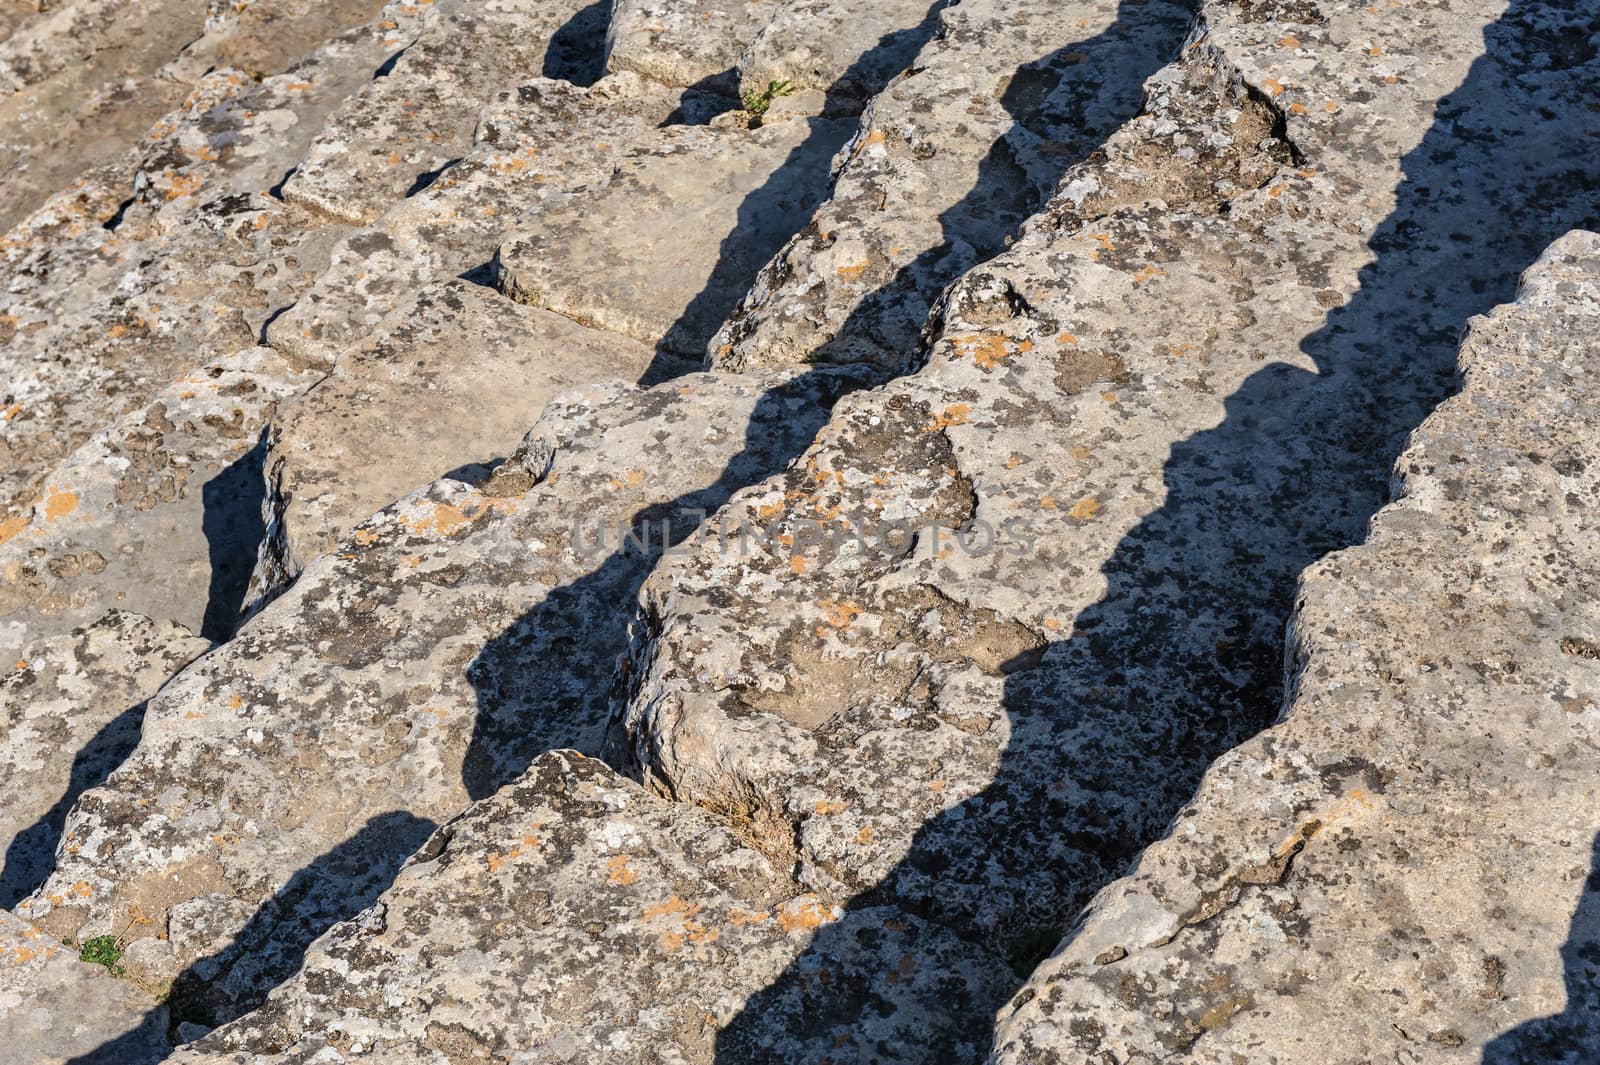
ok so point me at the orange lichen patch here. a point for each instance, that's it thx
(1273, 86)
(12, 411)
(1374, 51)
(631, 479)
(1084, 509)
(205, 154)
(1297, 109)
(1307, 173)
(235, 701)
(182, 185)
(1109, 397)
(954, 414)
(804, 913)
(59, 503)
(394, 159)
(840, 613)
(1290, 41)
(747, 917)
(872, 139)
(853, 273)
(828, 807)
(619, 872)
(1014, 460)
(297, 86)
(443, 519)
(675, 906)
(11, 528)
(1147, 273)
(987, 351)
(1276, 191)
(1053, 624)
(797, 564)
(367, 537)
(866, 835)
(1066, 338)
(936, 786)
(22, 663)
(1048, 503)
(1330, 106)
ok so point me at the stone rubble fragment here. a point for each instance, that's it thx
(1390, 871)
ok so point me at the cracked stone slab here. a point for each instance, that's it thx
(450, 383)
(70, 707)
(159, 513)
(684, 42)
(543, 139)
(671, 238)
(452, 638)
(1404, 866)
(98, 317)
(607, 923)
(950, 159)
(403, 128)
(1183, 384)
(61, 1009)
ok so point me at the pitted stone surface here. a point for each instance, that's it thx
(1143, 424)
(56, 1009)
(159, 513)
(607, 924)
(452, 638)
(1404, 866)
(670, 239)
(542, 140)
(950, 159)
(405, 127)
(449, 383)
(70, 707)
(685, 42)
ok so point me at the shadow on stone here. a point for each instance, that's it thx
(234, 527)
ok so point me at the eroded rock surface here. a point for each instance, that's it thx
(1405, 864)
(70, 708)
(452, 638)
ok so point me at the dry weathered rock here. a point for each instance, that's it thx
(70, 708)
(684, 42)
(401, 130)
(606, 924)
(159, 513)
(950, 160)
(452, 638)
(1391, 871)
(544, 139)
(56, 1010)
(1143, 424)
(668, 242)
(450, 382)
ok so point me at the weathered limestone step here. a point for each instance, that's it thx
(685, 42)
(56, 1009)
(950, 159)
(159, 513)
(1392, 870)
(399, 131)
(449, 382)
(259, 39)
(70, 708)
(1143, 425)
(606, 924)
(454, 637)
(670, 240)
(198, 259)
(544, 139)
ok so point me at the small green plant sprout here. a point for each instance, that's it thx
(757, 101)
(102, 950)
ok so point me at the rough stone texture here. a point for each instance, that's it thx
(673, 235)
(950, 160)
(70, 708)
(159, 513)
(1182, 385)
(684, 42)
(544, 139)
(403, 128)
(55, 1009)
(452, 638)
(1404, 867)
(607, 924)
(449, 383)
(108, 297)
